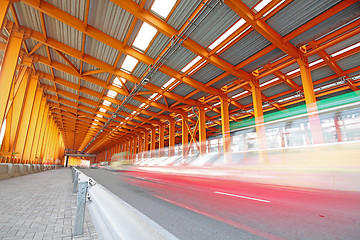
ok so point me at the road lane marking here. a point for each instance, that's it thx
(239, 196)
(217, 217)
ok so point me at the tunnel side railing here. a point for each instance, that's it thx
(113, 218)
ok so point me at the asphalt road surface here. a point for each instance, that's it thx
(201, 208)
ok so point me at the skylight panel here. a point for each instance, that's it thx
(152, 96)
(106, 103)
(168, 83)
(129, 63)
(111, 94)
(141, 105)
(99, 115)
(190, 64)
(144, 37)
(345, 49)
(163, 7)
(268, 82)
(294, 71)
(134, 112)
(272, 9)
(315, 62)
(94, 124)
(230, 31)
(102, 110)
(218, 103)
(117, 82)
(261, 5)
(232, 40)
(239, 94)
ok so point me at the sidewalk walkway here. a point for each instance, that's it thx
(40, 206)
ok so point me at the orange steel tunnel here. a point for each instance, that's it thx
(117, 76)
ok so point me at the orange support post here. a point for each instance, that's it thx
(161, 140)
(202, 130)
(4, 7)
(8, 66)
(225, 126)
(153, 137)
(185, 135)
(146, 136)
(14, 114)
(20, 139)
(171, 138)
(314, 119)
(258, 113)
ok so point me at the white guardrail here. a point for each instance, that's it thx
(114, 218)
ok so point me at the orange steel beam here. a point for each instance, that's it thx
(262, 27)
(89, 30)
(9, 63)
(336, 68)
(169, 31)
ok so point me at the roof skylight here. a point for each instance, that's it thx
(226, 34)
(129, 63)
(117, 82)
(345, 49)
(190, 64)
(168, 83)
(268, 82)
(99, 115)
(144, 37)
(239, 94)
(102, 110)
(272, 9)
(152, 96)
(111, 94)
(163, 7)
(293, 71)
(261, 5)
(106, 103)
(316, 62)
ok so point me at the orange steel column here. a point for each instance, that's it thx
(258, 112)
(310, 100)
(146, 138)
(141, 143)
(225, 126)
(4, 7)
(153, 137)
(14, 114)
(44, 125)
(32, 125)
(202, 130)
(134, 148)
(161, 140)
(185, 134)
(8, 66)
(20, 139)
(171, 138)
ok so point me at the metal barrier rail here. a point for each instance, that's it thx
(113, 218)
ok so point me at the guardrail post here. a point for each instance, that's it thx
(73, 174)
(76, 180)
(80, 208)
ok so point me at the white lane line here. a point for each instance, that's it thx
(239, 196)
